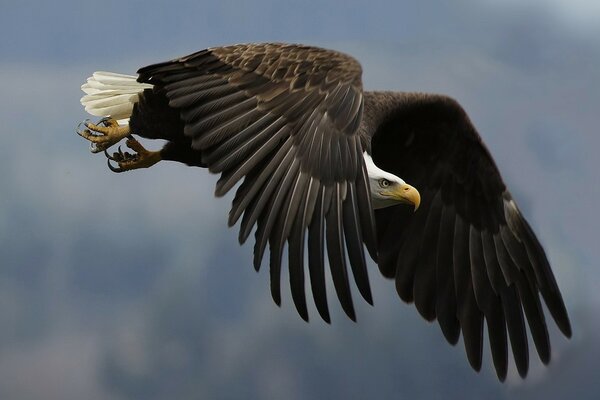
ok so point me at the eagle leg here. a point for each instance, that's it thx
(103, 134)
(126, 161)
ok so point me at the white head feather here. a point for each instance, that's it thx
(377, 176)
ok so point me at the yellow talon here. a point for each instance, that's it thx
(142, 158)
(104, 134)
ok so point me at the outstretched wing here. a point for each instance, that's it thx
(283, 118)
(467, 254)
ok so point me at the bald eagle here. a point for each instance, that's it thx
(324, 167)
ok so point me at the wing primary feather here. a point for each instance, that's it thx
(548, 288)
(296, 255)
(316, 141)
(228, 129)
(516, 328)
(557, 309)
(336, 97)
(307, 144)
(528, 292)
(312, 194)
(198, 124)
(481, 285)
(202, 103)
(336, 253)
(299, 108)
(489, 303)
(229, 179)
(354, 245)
(354, 123)
(293, 205)
(493, 269)
(271, 174)
(515, 238)
(509, 270)
(270, 215)
(498, 342)
(216, 131)
(390, 236)
(231, 143)
(445, 306)
(516, 251)
(194, 80)
(193, 85)
(248, 184)
(424, 286)
(535, 316)
(280, 232)
(344, 108)
(249, 189)
(257, 211)
(288, 103)
(408, 256)
(355, 154)
(187, 101)
(265, 232)
(348, 171)
(336, 160)
(367, 217)
(296, 260)
(324, 149)
(275, 272)
(249, 154)
(316, 256)
(470, 317)
(537, 256)
(354, 113)
(326, 154)
(327, 199)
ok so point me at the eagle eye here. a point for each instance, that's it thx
(384, 183)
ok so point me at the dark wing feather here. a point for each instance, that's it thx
(425, 284)
(316, 256)
(468, 254)
(445, 307)
(283, 119)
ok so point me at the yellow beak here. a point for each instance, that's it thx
(407, 194)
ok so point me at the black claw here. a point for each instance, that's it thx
(78, 129)
(113, 169)
(82, 132)
(103, 121)
(89, 130)
(111, 158)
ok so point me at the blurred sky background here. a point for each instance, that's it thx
(131, 287)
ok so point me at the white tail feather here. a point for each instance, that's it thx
(111, 95)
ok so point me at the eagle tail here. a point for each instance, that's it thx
(108, 94)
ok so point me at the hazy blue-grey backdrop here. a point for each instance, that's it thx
(130, 286)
